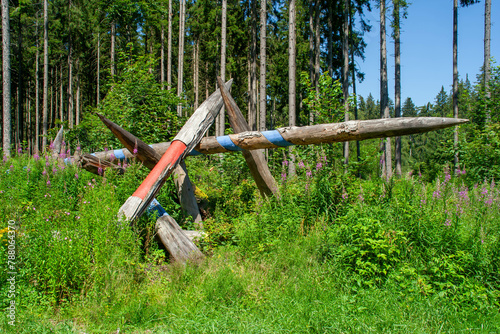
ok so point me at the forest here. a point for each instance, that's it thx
(396, 234)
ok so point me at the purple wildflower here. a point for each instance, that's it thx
(319, 165)
(20, 150)
(76, 176)
(44, 172)
(99, 171)
(285, 162)
(309, 173)
(436, 194)
(301, 164)
(283, 177)
(112, 157)
(54, 170)
(447, 222)
(344, 195)
(48, 182)
(5, 158)
(36, 157)
(51, 145)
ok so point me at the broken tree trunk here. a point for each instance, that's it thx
(57, 143)
(149, 157)
(315, 134)
(188, 137)
(255, 159)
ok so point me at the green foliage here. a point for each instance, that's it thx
(137, 103)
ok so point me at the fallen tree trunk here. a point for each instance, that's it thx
(308, 135)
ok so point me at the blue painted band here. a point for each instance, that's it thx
(92, 154)
(119, 154)
(275, 137)
(228, 144)
(194, 152)
(156, 208)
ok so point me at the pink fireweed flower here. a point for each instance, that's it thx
(5, 158)
(489, 201)
(54, 170)
(436, 194)
(51, 145)
(447, 222)
(344, 195)
(285, 162)
(76, 176)
(36, 157)
(309, 173)
(44, 172)
(48, 182)
(301, 164)
(112, 157)
(20, 150)
(283, 176)
(99, 171)
(319, 165)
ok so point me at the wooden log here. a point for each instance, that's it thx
(149, 157)
(96, 165)
(188, 137)
(314, 134)
(178, 244)
(256, 160)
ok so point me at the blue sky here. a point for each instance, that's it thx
(426, 49)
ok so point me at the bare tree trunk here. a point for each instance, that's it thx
(77, 111)
(45, 72)
(263, 59)
(61, 96)
(37, 94)
(221, 118)
(98, 92)
(358, 148)
(292, 69)
(487, 55)
(384, 95)
(169, 44)
(182, 13)
(113, 42)
(253, 67)
(397, 81)
(70, 72)
(317, 41)
(330, 37)
(162, 57)
(455, 79)
(345, 71)
(197, 74)
(20, 86)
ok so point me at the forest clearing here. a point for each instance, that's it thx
(208, 166)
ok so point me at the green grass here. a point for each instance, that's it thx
(340, 255)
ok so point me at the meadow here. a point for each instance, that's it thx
(331, 253)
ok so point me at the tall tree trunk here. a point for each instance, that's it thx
(36, 140)
(292, 69)
(253, 67)
(358, 148)
(221, 118)
(7, 131)
(162, 57)
(384, 94)
(169, 45)
(397, 80)
(263, 59)
(455, 79)
(45, 72)
(487, 55)
(20, 86)
(70, 72)
(317, 41)
(113, 42)
(330, 37)
(197, 74)
(345, 71)
(61, 95)
(77, 106)
(98, 91)
(182, 13)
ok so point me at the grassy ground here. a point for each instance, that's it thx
(329, 255)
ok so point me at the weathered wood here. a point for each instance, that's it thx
(96, 165)
(255, 159)
(57, 143)
(188, 137)
(178, 244)
(149, 157)
(316, 134)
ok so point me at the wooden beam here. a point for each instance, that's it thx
(256, 160)
(188, 137)
(315, 134)
(149, 157)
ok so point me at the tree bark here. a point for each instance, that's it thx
(221, 118)
(7, 132)
(162, 57)
(98, 90)
(20, 86)
(384, 95)
(169, 45)
(358, 148)
(180, 74)
(77, 106)
(70, 72)
(113, 42)
(487, 55)
(36, 140)
(455, 79)
(252, 119)
(397, 80)
(197, 74)
(45, 72)
(345, 70)
(292, 69)
(61, 96)
(263, 59)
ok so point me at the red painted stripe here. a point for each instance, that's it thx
(169, 157)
